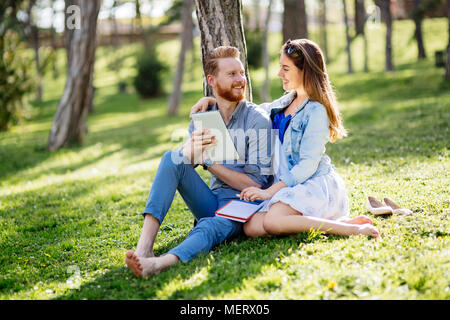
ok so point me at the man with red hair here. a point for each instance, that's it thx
(225, 75)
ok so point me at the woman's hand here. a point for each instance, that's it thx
(254, 193)
(202, 105)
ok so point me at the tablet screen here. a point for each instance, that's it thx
(225, 149)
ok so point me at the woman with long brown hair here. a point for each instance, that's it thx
(308, 193)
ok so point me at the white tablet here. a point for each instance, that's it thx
(225, 149)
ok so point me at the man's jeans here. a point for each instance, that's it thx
(210, 230)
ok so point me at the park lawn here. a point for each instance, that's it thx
(67, 218)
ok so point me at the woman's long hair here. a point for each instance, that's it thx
(308, 57)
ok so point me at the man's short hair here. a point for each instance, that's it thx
(211, 65)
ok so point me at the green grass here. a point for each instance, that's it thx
(67, 218)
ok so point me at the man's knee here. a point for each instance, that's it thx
(218, 229)
(173, 158)
(168, 157)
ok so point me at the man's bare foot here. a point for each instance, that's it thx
(146, 254)
(358, 220)
(133, 262)
(142, 267)
(151, 266)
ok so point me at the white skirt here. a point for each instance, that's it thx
(324, 196)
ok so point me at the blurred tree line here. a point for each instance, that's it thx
(21, 74)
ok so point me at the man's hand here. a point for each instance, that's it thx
(202, 105)
(195, 148)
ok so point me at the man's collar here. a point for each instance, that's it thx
(236, 111)
(238, 108)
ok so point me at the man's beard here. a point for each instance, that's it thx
(229, 95)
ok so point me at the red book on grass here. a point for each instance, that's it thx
(239, 210)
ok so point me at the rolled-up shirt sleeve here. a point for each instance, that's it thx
(311, 147)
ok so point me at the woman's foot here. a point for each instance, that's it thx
(368, 230)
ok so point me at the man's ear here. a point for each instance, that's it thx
(211, 80)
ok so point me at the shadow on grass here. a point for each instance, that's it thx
(18, 154)
(223, 270)
(65, 223)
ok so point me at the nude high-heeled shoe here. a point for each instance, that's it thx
(377, 208)
(396, 209)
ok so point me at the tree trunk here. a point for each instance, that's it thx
(323, 28)
(220, 23)
(366, 52)
(138, 18)
(116, 63)
(256, 15)
(53, 43)
(347, 36)
(360, 26)
(114, 32)
(34, 36)
(140, 28)
(295, 25)
(193, 56)
(265, 91)
(360, 16)
(418, 16)
(186, 42)
(69, 123)
(386, 8)
(68, 32)
(447, 67)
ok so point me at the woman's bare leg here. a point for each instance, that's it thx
(254, 227)
(356, 220)
(282, 219)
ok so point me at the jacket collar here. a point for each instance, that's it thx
(286, 101)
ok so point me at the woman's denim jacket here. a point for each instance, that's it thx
(304, 139)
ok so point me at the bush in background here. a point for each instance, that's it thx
(253, 40)
(14, 79)
(148, 81)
